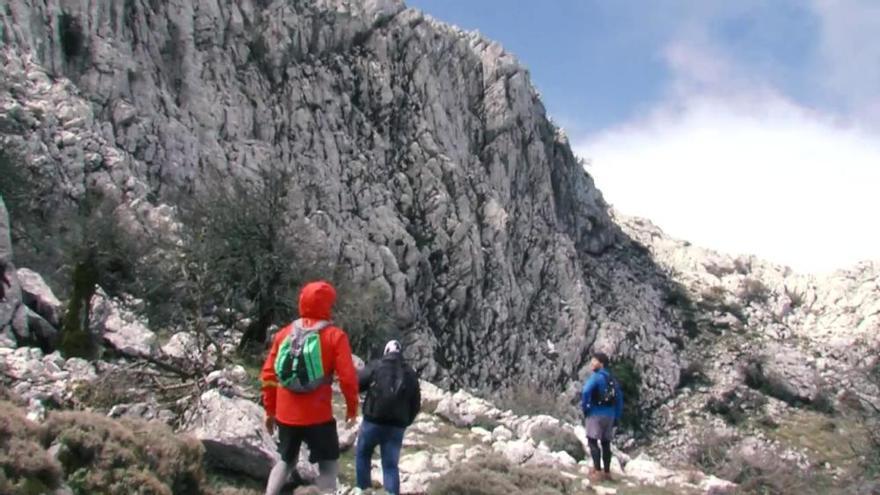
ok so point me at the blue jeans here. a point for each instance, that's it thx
(389, 439)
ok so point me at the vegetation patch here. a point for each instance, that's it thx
(100, 455)
(630, 380)
(25, 465)
(492, 476)
(753, 290)
(91, 453)
(693, 375)
(733, 405)
(759, 472)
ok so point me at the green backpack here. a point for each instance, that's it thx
(298, 365)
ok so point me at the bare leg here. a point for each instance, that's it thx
(327, 473)
(277, 477)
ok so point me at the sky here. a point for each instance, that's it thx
(748, 126)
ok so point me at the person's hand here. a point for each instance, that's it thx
(270, 424)
(350, 421)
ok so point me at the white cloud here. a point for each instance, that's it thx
(728, 162)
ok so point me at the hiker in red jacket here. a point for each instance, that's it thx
(296, 380)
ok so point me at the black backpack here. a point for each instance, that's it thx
(387, 397)
(609, 397)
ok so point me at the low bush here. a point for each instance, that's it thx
(25, 465)
(490, 476)
(710, 450)
(693, 375)
(95, 454)
(101, 455)
(753, 290)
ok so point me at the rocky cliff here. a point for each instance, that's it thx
(421, 155)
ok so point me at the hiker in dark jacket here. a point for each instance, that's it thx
(392, 403)
(603, 409)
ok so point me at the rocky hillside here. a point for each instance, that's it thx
(420, 160)
(420, 157)
(456, 435)
(779, 365)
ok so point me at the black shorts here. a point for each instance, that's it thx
(322, 440)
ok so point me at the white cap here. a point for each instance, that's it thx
(392, 346)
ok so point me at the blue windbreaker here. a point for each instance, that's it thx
(596, 385)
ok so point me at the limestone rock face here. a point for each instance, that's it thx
(421, 156)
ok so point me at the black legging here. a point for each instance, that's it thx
(605, 454)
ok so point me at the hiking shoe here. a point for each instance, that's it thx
(607, 477)
(595, 475)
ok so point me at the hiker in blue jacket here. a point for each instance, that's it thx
(602, 405)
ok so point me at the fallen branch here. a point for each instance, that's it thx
(177, 370)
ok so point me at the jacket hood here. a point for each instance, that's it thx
(316, 300)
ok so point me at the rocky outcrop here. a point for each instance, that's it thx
(13, 313)
(120, 327)
(420, 155)
(765, 344)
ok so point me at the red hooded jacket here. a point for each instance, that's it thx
(315, 301)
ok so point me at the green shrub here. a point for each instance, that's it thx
(630, 380)
(492, 476)
(560, 439)
(753, 290)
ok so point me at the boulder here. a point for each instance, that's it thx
(787, 374)
(235, 438)
(38, 296)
